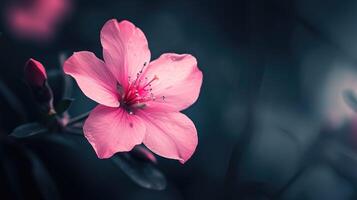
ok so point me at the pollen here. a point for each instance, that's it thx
(138, 91)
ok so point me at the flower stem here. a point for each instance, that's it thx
(79, 118)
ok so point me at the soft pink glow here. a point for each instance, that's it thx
(36, 19)
(140, 101)
(143, 154)
(35, 73)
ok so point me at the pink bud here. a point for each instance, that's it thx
(35, 73)
(36, 77)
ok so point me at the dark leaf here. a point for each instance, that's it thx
(63, 105)
(12, 100)
(74, 131)
(56, 80)
(11, 178)
(143, 154)
(25, 175)
(27, 130)
(351, 99)
(344, 162)
(42, 178)
(145, 174)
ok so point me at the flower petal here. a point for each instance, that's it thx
(110, 130)
(178, 81)
(171, 135)
(93, 77)
(125, 49)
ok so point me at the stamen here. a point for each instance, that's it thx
(141, 71)
(152, 80)
(138, 92)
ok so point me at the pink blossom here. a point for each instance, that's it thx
(140, 101)
(36, 19)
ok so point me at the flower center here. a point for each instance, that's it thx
(137, 93)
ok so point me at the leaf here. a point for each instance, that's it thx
(27, 130)
(338, 163)
(351, 99)
(144, 174)
(11, 175)
(12, 100)
(143, 154)
(42, 178)
(26, 176)
(63, 105)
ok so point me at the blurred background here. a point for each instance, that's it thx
(273, 117)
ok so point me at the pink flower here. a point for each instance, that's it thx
(36, 19)
(140, 102)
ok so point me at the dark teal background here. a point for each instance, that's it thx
(266, 95)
